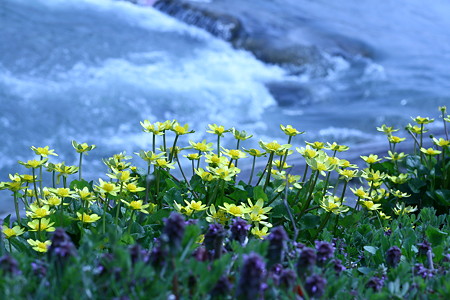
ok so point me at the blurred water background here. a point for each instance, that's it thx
(90, 70)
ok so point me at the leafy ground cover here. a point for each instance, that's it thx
(146, 234)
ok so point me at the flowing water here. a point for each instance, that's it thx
(90, 70)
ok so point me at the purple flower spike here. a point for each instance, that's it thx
(277, 244)
(324, 250)
(315, 286)
(239, 230)
(393, 256)
(251, 278)
(174, 231)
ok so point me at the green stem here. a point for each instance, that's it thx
(16, 205)
(172, 153)
(40, 180)
(343, 191)
(304, 173)
(310, 193)
(79, 166)
(269, 170)
(35, 187)
(53, 179)
(153, 142)
(131, 222)
(253, 170)
(105, 207)
(218, 145)
(322, 225)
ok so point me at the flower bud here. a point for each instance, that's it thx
(375, 283)
(288, 278)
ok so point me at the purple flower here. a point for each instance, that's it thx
(306, 260)
(288, 278)
(173, 231)
(425, 273)
(315, 286)
(375, 283)
(214, 239)
(424, 247)
(158, 256)
(393, 255)
(138, 254)
(324, 250)
(9, 265)
(239, 230)
(251, 277)
(277, 244)
(337, 265)
(39, 268)
(388, 232)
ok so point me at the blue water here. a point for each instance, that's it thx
(90, 70)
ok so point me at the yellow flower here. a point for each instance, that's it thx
(371, 175)
(39, 246)
(420, 120)
(41, 225)
(443, 109)
(163, 163)
(281, 165)
(12, 232)
(336, 147)
(395, 156)
(122, 176)
(387, 130)
(371, 159)
(240, 135)
(132, 188)
(290, 131)
(260, 233)
(347, 174)
(37, 212)
(186, 210)
(83, 147)
(255, 152)
(137, 205)
(196, 205)
(33, 164)
(86, 218)
(44, 152)
(216, 129)
(430, 151)
(85, 194)
(62, 192)
(181, 130)
(157, 128)
(234, 153)
(274, 147)
(370, 205)
(193, 156)
(258, 208)
(307, 152)
(107, 188)
(225, 173)
(384, 216)
(399, 194)
(214, 160)
(401, 209)
(28, 178)
(316, 145)
(416, 129)
(64, 170)
(214, 216)
(149, 156)
(235, 210)
(441, 142)
(201, 146)
(53, 201)
(400, 179)
(206, 176)
(395, 139)
(360, 193)
(333, 204)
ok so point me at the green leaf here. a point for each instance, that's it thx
(435, 236)
(365, 270)
(258, 193)
(309, 221)
(371, 249)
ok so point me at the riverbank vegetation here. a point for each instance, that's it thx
(377, 228)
